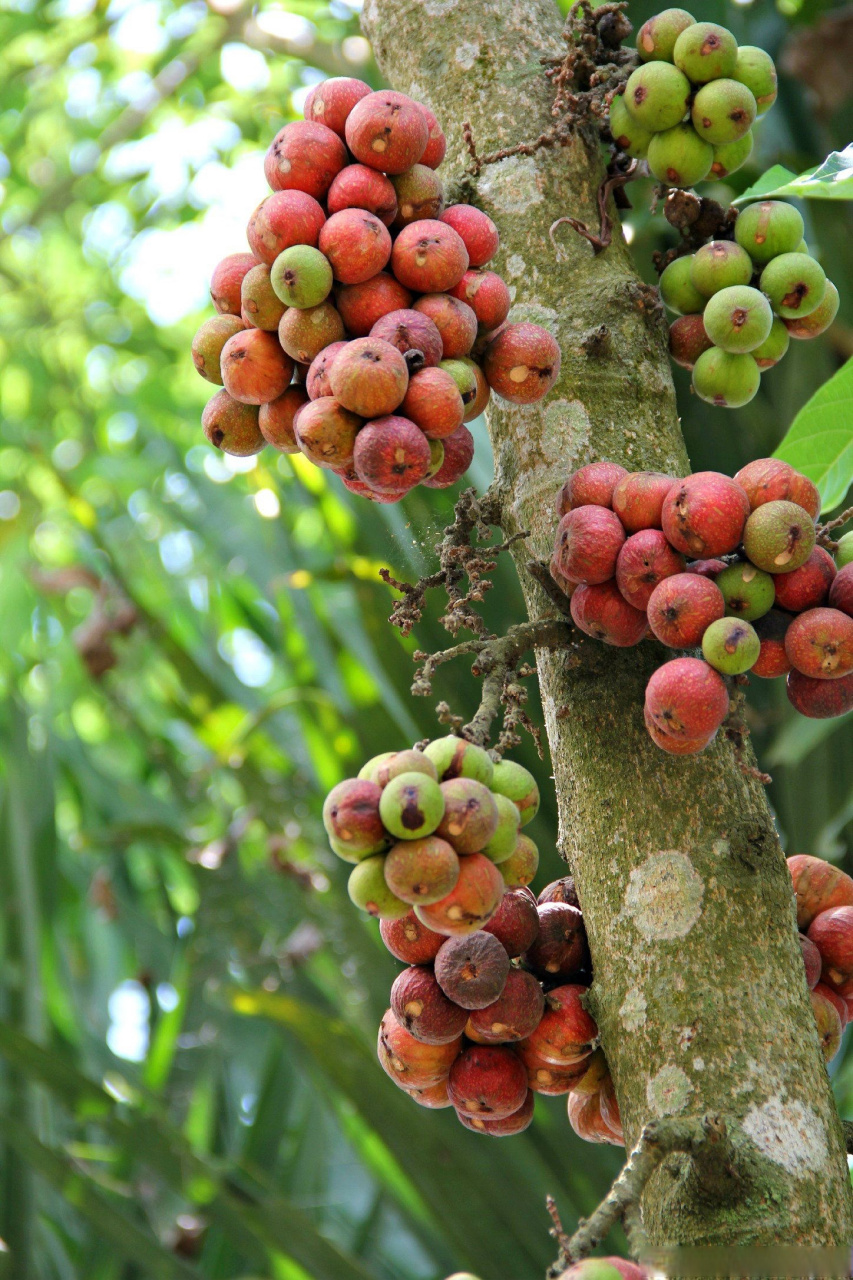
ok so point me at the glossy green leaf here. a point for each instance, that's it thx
(819, 441)
(831, 180)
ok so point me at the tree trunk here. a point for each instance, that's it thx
(699, 988)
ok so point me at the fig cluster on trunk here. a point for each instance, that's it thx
(490, 1009)
(728, 572)
(824, 899)
(365, 328)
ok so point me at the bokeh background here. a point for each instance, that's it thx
(193, 649)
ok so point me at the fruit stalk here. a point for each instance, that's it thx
(684, 887)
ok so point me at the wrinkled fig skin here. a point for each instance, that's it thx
(622, 801)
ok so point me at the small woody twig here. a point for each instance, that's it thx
(823, 530)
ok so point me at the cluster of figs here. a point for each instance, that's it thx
(490, 1010)
(824, 895)
(688, 110)
(364, 329)
(727, 571)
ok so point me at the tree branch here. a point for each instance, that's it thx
(705, 1140)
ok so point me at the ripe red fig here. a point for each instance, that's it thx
(638, 499)
(818, 886)
(409, 940)
(410, 1063)
(685, 698)
(601, 612)
(331, 102)
(419, 1004)
(566, 1033)
(304, 156)
(522, 363)
(487, 1081)
(387, 131)
(681, 608)
(705, 514)
(284, 219)
(588, 543)
(645, 559)
(276, 419)
(357, 187)
(409, 330)
(479, 233)
(361, 305)
(226, 282)
(820, 699)
(591, 485)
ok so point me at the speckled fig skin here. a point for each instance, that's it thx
(674, 744)
(478, 232)
(704, 515)
(356, 243)
(304, 156)
(227, 280)
(681, 607)
(818, 887)
(357, 187)
(432, 401)
(419, 1004)
(686, 698)
(471, 904)
(408, 761)
(828, 1024)
(436, 147)
(779, 536)
(771, 630)
(638, 499)
(260, 308)
(470, 814)
(391, 454)
(522, 363)
(331, 102)
(304, 334)
(566, 1032)
(455, 320)
(515, 924)
(317, 380)
(422, 870)
(841, 590)
(455, 757)
(602, 612)
(276, 419)
(588, 543)
(645, 559)
(562, 890)
(519, 869)
(458, 455)
(255, 370)
(487, 1081)
(409, 330)
(545, 1077)
(687, 340)
(409, 940)
(472, 970)
(420, 195)
(487, 295)
(812, 961)
(591, 485)
(514, 1015)
(370, 378)
(282, 220)
(410, 1063)
(820, 699)
(772, 480)
(232, 426)
(435, 1097)
(809, 586)
(838, 1001)
(507, 1126)
(817, 321)
(560, 950)
(351, 816)
(819, 644)
(387, 131)
(326, 432)
(208, 343)
(429, 256)
(361, 305)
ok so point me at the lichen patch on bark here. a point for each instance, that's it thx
(664, 896)
(790, 1134)
(668, 1091)
(633, 1010)
(511, 186)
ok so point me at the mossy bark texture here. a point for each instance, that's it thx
(699, 989)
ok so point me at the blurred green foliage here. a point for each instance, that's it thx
(192, 650)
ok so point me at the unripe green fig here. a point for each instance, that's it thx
(301, 277)
(795, 284)
(657, 96)
(677, 289)
(719, 265)
(749, 593)
(819, 320)
(723, 111)
(656, 38)
(738, 319)
(774, 346)
(705, 51)
(726, 380)
(844, 551)
(731, 646)
(757, 71)
(678, 156)
(628, 134)
(368, 890)
(729, 156)
(767, 229)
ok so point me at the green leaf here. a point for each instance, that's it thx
(819, 441)
(832, 180)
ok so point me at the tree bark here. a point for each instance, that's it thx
(699, 988)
